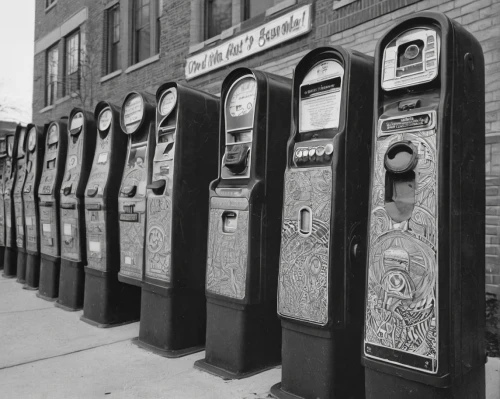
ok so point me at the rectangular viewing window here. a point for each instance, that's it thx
(94, 246)
(103, 158)
(51, 164)
(230, 222)
(46, 227)
(67, 229)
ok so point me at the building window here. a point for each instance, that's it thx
(159, 13)
(72, 64)
(219, 17)
(49, 3)
(113, 61)
(52, 75)
(142, 31)
(253, 8)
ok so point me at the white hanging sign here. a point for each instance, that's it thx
(279, 30)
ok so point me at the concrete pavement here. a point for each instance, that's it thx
(46, 352)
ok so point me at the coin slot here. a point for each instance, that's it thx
(305, 221)
(229, 222)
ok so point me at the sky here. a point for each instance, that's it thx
(17, 32)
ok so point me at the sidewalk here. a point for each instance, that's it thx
(46, 352)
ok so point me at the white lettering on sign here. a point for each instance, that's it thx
(133, 110)
(279, 30)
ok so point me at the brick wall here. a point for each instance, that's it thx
(358, 25)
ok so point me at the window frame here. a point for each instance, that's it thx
(69, 78)
(49, 4)
(51, 79)
(111, 14)
(154, 39)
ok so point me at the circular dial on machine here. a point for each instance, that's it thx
(168, 101)
(32, 139)
(104, 119)
(242, 97)
(133, 112)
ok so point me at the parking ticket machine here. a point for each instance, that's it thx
(243, 331)
(17, 198)
(425, 295)
(80, 154)
(3, 178)
(107, 302)
(56, 141)
(10, 257)
(34, 161)
(321, 276)
(173, 305)
(137, 120)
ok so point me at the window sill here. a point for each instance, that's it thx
(143, 63)
(111, 75)
(342, 3)
(51, 7)
(63, 99)
(246, 25)
(47, 108)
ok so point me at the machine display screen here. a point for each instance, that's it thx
(168, 101)
(240, 103)
(320, 97)
(10, 145)
(20, 145)
(133, 111)
(411, 58)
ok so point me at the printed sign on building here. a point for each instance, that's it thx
(279, 30)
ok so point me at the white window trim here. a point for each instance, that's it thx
(143, 63)
(342, 3)
(111, 75)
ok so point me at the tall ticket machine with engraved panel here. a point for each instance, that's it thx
(17, 198)
(3, 178)
(322, 276)
(56, 142)
(34, 162)
(425, 299)
(137, 120)
(10, 257)
(173, 305)
(107, 302)
(81, 147)
(243, 332)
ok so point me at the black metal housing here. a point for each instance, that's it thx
(330, 346)
(34, 161)
(107, 302)
(243, 332)
(173, 306)
(456, 95)
(79, 158)
(48, 208)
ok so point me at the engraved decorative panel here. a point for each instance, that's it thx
(2, 222)
(401, 314)
(49, 231)
(19, 218)
(227, 259)
(31, 222)
(303, 273)
(70, 235)
(132, 248)
(96, 239)
(8, 220)
(158, 236)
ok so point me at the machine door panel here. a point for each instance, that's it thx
(2, 221)
(228, 247)
(70, 237)
(96, 237)
(402, 312)
(132, 244)
(31, 221)
(49, 230)
(303, 278)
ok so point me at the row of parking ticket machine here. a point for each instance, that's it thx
(333, 223)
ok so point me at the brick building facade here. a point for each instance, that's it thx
(110, 63)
